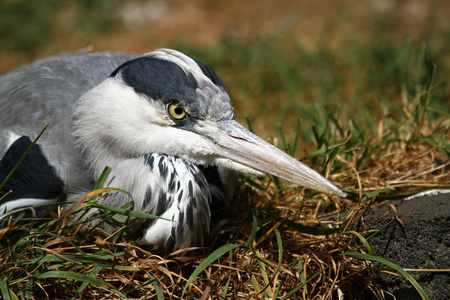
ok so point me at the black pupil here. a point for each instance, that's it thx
(178, 110)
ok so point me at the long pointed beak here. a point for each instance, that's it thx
(240, 145)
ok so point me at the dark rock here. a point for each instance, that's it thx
(422, 242)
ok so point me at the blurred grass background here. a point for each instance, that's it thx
(280, 60)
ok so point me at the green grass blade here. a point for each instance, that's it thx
(438, 110)
(128, 212)
(283, 138)
(153, 282)
(255, 284)
(29, 288)
(249, 124)
(396, 267)
(297, 138)
(445, 151)
(430, 77)
(376, 194)
(404, 66)
(208, 261)
(444, 142)
(83, 285)
(318, 152)
(362, 239)
(6, 293)
(252, 237)
(261, 263)
(299, 287)
(74, 276)
(280, 261)
(302, 272)
(158, 290)
(101, 181)
(280, 248)
(334, 119)
(227, 285)
(225, 289)
(334, 152)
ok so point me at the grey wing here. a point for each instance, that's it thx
(47, 90)
(41, 92)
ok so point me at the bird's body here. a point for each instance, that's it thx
(153, 119)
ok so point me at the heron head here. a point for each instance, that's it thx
(166, 102)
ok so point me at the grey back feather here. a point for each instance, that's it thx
(47, 90)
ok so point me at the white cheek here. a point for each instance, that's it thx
(176, 142)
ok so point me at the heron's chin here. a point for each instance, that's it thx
(229, 164)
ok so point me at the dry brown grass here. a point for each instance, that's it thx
(254, 270)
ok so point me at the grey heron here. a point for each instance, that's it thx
(155, 119)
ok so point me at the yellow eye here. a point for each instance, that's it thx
(176, 111)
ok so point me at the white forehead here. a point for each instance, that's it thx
(185, 62)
